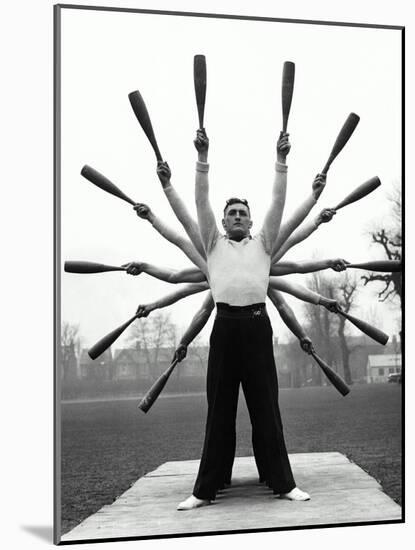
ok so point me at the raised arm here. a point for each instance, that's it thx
(187, 290)
(144, 212)
(273, 217)
(302, 292)
(179, 208)
(196, 325)
(205, 216)
(285, 268)
(187, 275)
(304, 231)
(289, 318)
(301, 212)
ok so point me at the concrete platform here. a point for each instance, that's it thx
(341, 492)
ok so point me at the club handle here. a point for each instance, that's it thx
(334, 378)
(326, 167)
(150, 397)
(104, 183)
(79, 266)
(360, 192)
(140, 110)
(385, 266)
(375, 333)
(97, 349)
(199, 77)
(287, 88)
(343, 137)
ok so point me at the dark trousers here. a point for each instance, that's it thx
(241, 352)
(257, 446)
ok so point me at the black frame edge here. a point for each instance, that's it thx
(56, 271)
(227, 16)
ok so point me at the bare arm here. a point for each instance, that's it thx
(304, 231)
(187, 275)
(289, 318)
(273, 217)
(300, 213)
(198, 321)
(302, 292)
(179, 208)
(205, 216)
(285, 268)
(295, 289)
(144, 212)
(187, 290)
(196, 325)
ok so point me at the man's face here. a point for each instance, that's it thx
(237, 221)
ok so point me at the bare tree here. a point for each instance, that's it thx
(70, 350)
(392, 282)
(297, 361)
(389, 238)
(345, 296)
(321, 324)
(151, 335)
(329, 332)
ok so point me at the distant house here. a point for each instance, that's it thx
(130, 364)
(380, 366)
(141, 364)
(295, 368)
(97, 369)
(362, 347)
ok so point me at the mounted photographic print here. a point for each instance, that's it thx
(228, 286)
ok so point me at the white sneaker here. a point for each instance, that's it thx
(296, 494)
(192, 502)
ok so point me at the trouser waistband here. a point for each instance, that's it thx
(241, 312)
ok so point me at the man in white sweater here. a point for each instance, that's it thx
(241, 350)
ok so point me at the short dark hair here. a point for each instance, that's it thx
(236, 200)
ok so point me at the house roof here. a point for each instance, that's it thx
(139, 355)
(129, 354)
(385, 360)
(104, 358)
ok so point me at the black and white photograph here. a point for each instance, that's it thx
(228, 259)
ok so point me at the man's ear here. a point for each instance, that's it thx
(250, 224)
(223, 224)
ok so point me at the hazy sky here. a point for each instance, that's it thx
(106, 55)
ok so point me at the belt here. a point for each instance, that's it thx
(252, 311)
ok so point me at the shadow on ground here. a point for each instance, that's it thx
(44, 532)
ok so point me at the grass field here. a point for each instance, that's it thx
(107, 446)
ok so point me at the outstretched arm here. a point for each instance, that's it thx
(179, 207)
(205, 216)
(196, 325)
(144, 212)
(304, 231)
(273, 217)
(289, 318)
(145, 309)
(300, 213)
(187, 275)
(302, 292)
(285, 268)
